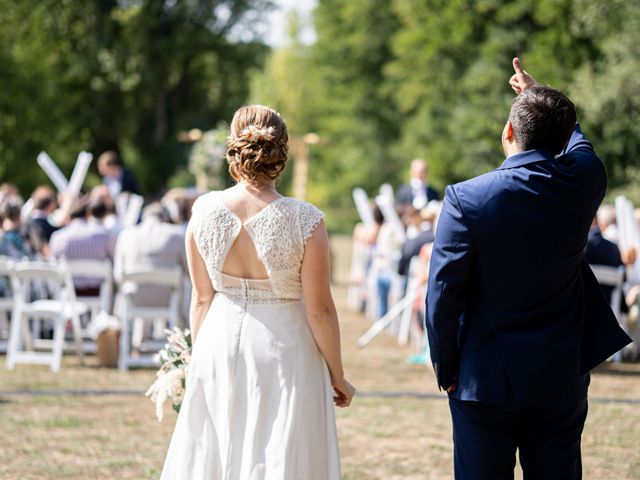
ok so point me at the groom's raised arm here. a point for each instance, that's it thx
(578, 142)
(447, 289)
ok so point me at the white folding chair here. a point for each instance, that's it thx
(413, 287)
(360, 255)
(6, 301)
(101, 270)
(612, 277)
(131, 280)
(63, 307)
(98, 269)
(402, 309)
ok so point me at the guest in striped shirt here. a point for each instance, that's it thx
(84, 238)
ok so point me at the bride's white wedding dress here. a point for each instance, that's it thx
(258, 403)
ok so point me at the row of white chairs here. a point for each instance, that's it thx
(398, 319)
(44, 291)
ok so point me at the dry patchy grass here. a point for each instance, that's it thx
(105, 437)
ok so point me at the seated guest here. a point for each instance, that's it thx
(84, 238)
(39, 228)
(417, 193)
(421, 222)
(368, 234)
(606, 219)
(386, 254)
(154, 243)
(600, 251)
(9, 190)
(115, 176)
(178, 206)
(110, 221)
(12, 242)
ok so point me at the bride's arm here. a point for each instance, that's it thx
(321, 311)
(202, 291)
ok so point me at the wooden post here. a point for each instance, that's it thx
(300, 168)
(300, 150)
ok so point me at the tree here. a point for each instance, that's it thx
(607, 88)
(357, 118)
(452, 61)
(119, 75)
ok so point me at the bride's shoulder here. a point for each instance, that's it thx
(309, 217)
(206, 201)
(303, 208)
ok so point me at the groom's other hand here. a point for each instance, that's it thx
(451, 389)
(521, 80)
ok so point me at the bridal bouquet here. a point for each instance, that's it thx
(174, 359)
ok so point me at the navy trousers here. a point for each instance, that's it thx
(546, 434)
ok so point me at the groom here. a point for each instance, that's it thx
(515, 317)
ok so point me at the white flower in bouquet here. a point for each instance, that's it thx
(175, 382)
(171, 377)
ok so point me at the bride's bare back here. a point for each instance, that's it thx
(242, 260)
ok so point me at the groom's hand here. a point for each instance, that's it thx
(521, 80)
(452, 388)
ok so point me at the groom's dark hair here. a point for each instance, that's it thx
(542, 118)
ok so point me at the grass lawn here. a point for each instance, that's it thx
(117, 436)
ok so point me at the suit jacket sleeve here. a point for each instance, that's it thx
(447, 289)
(578, 142)
(579, 152)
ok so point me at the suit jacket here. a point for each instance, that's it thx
(151, 244)
(404, 195)
(129, 182)
(513, 311)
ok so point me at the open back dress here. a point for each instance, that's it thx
(258, 402)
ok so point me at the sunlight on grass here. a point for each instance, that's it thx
(117, 436)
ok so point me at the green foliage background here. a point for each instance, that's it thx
(385, 81)
(125, 75)
(388, 81)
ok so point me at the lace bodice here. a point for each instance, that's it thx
(279, 233)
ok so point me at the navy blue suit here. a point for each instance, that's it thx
(404, 196)
(514, 313)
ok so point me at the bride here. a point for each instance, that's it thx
(266, 368)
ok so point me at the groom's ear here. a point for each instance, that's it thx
(508, 132)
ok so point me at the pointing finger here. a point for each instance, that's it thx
(516, 66)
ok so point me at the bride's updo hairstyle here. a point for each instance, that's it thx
(257, 145)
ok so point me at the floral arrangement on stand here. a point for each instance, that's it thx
(207, 157)
(170, 382)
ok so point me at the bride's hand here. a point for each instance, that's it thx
(343, 392)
